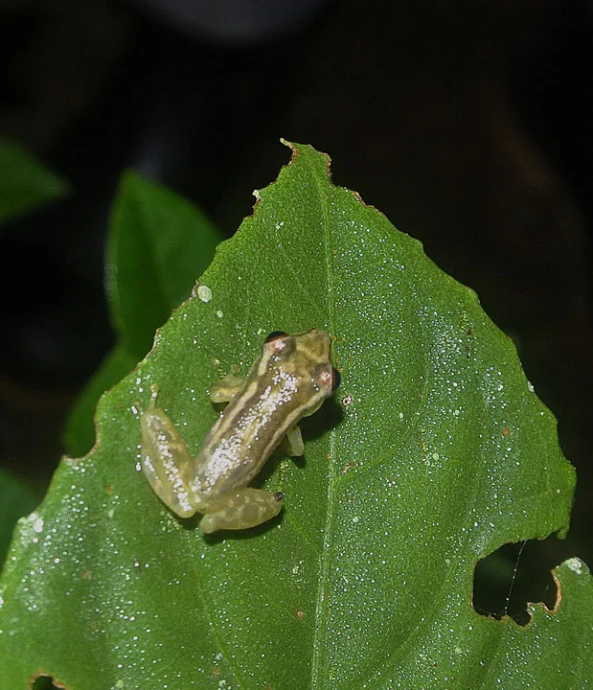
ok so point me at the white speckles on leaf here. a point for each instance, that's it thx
(204, 293)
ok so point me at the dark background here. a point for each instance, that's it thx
(467, 123)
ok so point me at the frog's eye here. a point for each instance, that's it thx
(325, 378)
(274, 335)
(336, 379)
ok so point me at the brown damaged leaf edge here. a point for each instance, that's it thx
(294, 154)
(328, 171)
(542, 605)
(539, 604)
(558, 584)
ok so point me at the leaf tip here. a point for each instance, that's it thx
(294, 149)
(314, 156)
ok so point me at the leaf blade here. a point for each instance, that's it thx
(432, 455)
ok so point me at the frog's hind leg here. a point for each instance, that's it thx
(241, 509)
(166, 461)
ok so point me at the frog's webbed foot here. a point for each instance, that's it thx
(226, 389)
(241, 509)
(166, 461)
(292, 444)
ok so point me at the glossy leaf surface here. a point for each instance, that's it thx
(434, 452)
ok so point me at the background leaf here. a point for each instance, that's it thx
(16, 500)
(434, 453)
(25, 184)
(158, 244)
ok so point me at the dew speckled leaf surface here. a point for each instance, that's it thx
(433, 453)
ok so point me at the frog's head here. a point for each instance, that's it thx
(302, 361)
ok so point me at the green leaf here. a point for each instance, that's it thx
(25, 184)
(158, 244)
(16, 500)
(434, 452)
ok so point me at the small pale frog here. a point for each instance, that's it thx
(288, 381)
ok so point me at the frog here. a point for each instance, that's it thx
(290, 379)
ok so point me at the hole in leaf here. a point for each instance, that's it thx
(45, 683)
(506, 580)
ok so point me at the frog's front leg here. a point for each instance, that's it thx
(225, 390)
(166, 461)
(292, 444)
(241, 509)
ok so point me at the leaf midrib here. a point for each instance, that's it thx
(318, 652)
